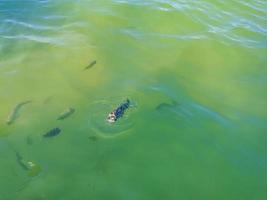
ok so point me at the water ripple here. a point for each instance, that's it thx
(219, 17)
(240, 22)
(40, 39)
(28, 25)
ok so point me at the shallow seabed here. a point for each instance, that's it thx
(195, 72)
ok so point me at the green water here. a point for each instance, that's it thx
(195, 72)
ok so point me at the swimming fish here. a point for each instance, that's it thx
(21, 162)
(53, 132)
(90, 65)
(15, 112)
(32, 168)
(118, 112)
(66, 113)
(93, 137)
(166, 105)
(29, 140)
(48, 99)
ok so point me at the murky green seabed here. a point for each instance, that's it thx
(195, 71)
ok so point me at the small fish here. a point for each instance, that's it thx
(163, 105)
(15, 112)
(53, 132)
(32, 168)
(118, 112)
(29, 140)
(21, 162)
(66, 113)
(48, 99)
(166, 105)
(93, 138)
(90, 65)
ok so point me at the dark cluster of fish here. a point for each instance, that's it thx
(14, 114)
(111, 118)
(55, 131)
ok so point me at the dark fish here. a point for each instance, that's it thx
(53, 132)
(90, 65)
(66, 113)
(15, 112)
(21, 162)
(118, 112)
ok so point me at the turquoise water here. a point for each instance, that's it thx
(195, 72)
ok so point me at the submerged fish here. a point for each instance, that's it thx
(32, 168)
(93, 137)
(118, 112)
(166, 105)
(66, 113)
(21, 162)
(15, 112)
(48, 99)
(90, 65)
(53, 132)
(29, 140)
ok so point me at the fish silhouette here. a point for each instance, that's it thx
(90, 65)
(118, 112)
(15, 112)
(66, 114)
(53, 132)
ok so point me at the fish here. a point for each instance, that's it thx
(166, 105)
(90, 65)
(66, 113)
(21, 162)
(163, 105)
(15, 112)
(32, 168)
(93, 138)
(29, 140)
(48, 99)
(118, 112)
(53, 132)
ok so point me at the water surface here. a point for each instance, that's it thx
(195, 72)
